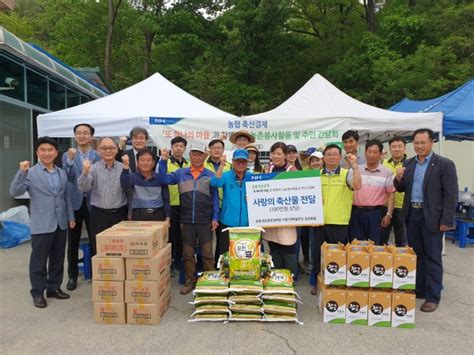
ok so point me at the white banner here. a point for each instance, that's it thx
(301, 133)
(285, 199)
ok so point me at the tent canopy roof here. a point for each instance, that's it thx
(319, 99)
(457, 106)
(114, 115)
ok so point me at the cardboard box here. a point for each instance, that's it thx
(108, 291)
(109, 313)
(146, 291)
(364, 243)
(404, 268)
(108, 269)
(358, 266)
(161, 226)
(332, 303)
(130, 242)
(403, 309)
(381, 267)
(356, 306)
(333, 264)
(380, 308)
(149, 269)
(148, 314)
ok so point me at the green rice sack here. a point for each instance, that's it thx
(246, 286)
(244, 253)
(212, 282)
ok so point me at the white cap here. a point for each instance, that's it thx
(198, 147)
(317, 154)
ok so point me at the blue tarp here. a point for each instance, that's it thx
(457, 107)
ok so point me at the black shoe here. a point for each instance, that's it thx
(71, 284)
(60, 295)
(39, 301)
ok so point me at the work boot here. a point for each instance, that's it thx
(188, 287)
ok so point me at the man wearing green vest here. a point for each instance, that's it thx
(175, 162)
(397, 147)
(337, 185)
(216, 150)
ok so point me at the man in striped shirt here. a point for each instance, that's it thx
(376, 191)
(150, 200)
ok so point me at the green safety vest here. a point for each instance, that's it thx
(337, 198)
(393, 166)
(173, 189)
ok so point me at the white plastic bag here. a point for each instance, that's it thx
(16, 214)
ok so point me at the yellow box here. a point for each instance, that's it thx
(381, 267)
(148, 314)
(403, 309)
(332, 303)
(108, 269)
(131, 242)
(146, 291)
(380, 308)
(358, 266)
(107, 291)
(404, 268)
(149, 269)
(356, 306)
(109, 313)
(333, 264)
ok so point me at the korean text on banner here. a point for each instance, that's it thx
(285, 199)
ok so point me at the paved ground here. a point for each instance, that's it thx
(68, 327)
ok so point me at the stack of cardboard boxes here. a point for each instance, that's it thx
(361, 283)
(131, 273)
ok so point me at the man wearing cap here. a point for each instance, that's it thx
(234, 203)
(240, 139)
(199, 209)
(213, 162)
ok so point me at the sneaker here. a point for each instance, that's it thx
(188, 287)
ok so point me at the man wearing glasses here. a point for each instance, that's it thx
(81, 201)
(108, 198)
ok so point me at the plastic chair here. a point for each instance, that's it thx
(462, 231)
(85, 263)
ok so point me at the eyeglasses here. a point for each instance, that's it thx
(109, 148)
(331, 155)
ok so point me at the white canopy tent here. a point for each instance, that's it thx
(318, 100)
(155, 103)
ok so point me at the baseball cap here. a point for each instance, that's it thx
(317, 154)
(309, 151)
(240, 154)
(292, 148)
(197, 146)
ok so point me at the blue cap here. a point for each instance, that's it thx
(309, 151)
(240, 154)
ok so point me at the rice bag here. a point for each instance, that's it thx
(279, 281)
(281, 318)
(210, 317)
(211, 282)
(244, 253)
(246, 286)
(211, 308)
(210, 298)
(236, 316)
(246, 308)
(277, 307)
(281, 297)
(245, 298)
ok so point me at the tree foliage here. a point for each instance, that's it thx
(247, 56)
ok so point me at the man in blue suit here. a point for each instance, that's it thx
(51, 213)
(81, 202)
(430, 184)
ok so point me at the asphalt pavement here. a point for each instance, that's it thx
(67, 326)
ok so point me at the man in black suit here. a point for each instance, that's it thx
(431, 189)
(139, 137)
